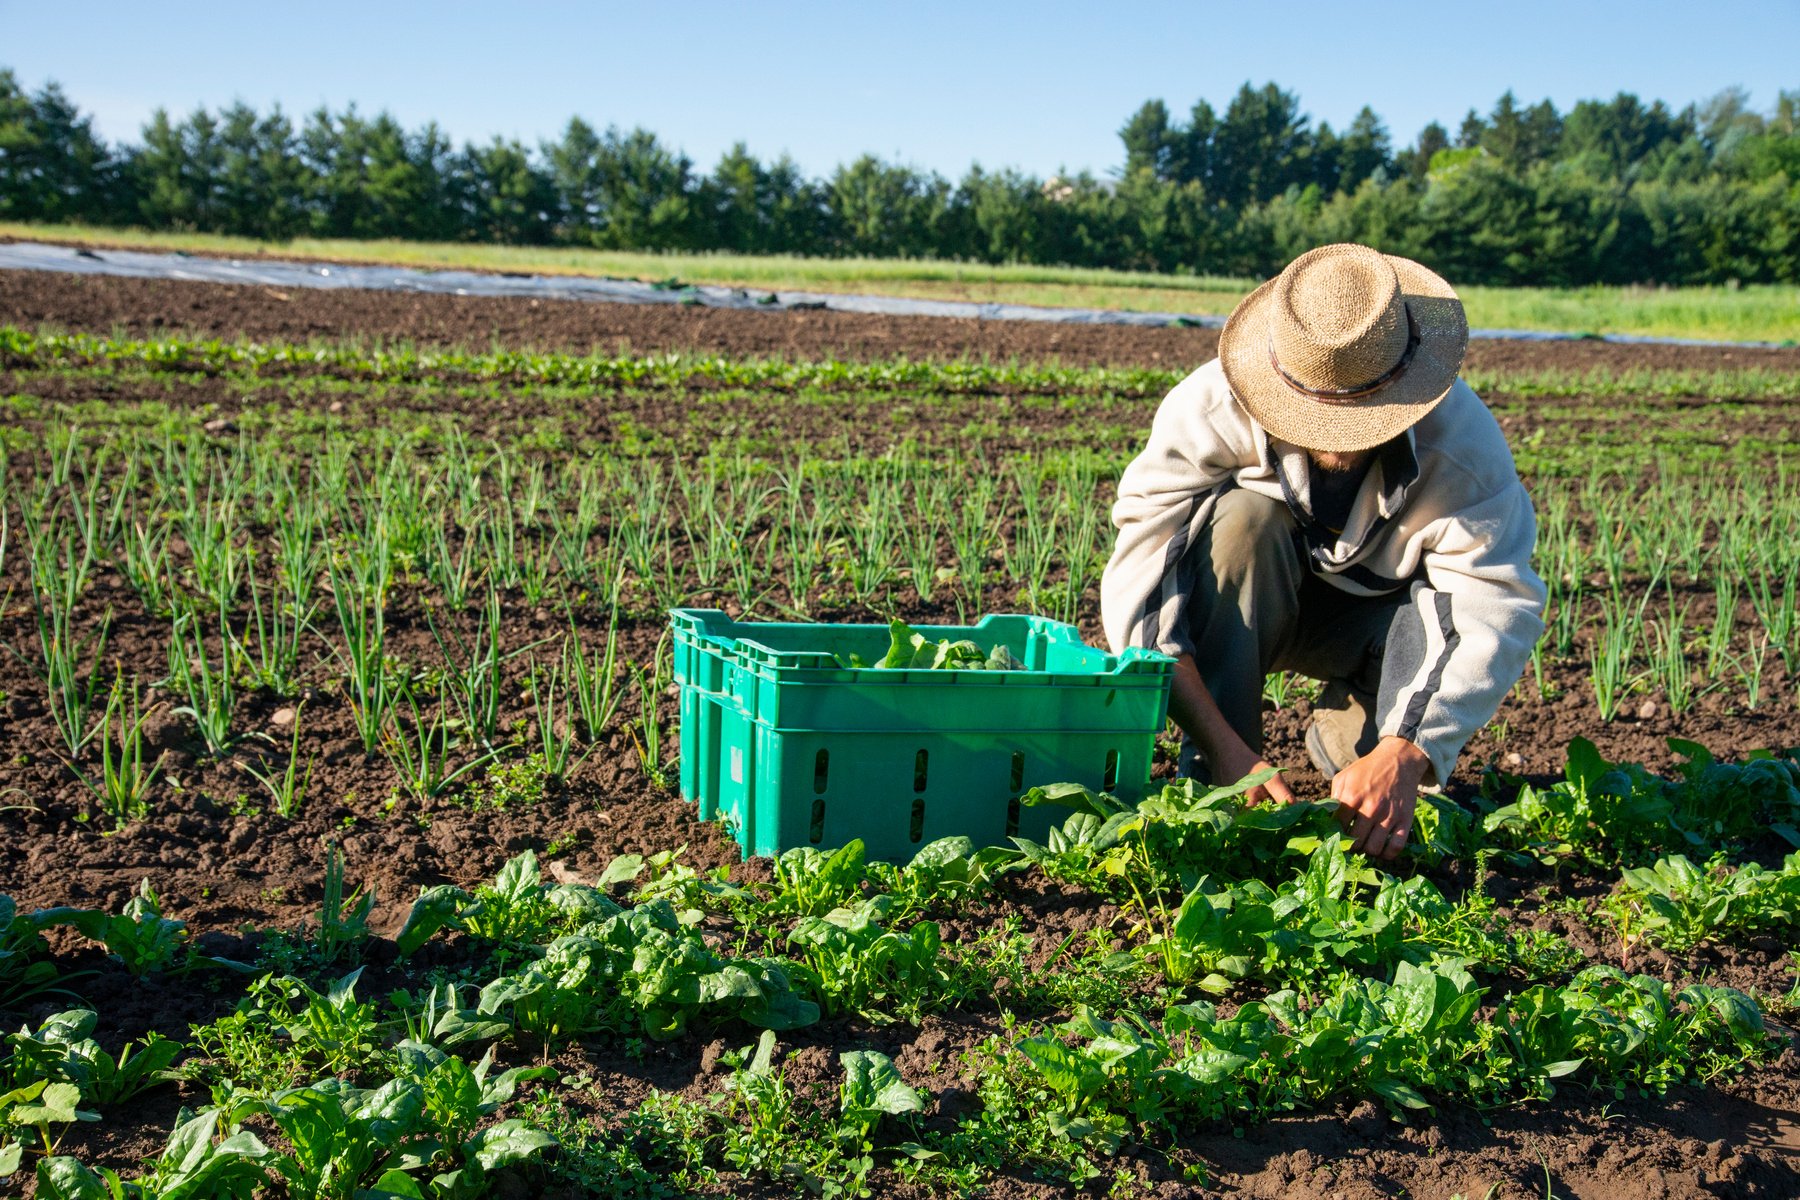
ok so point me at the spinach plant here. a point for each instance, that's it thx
(851, 964)
(140, 937)
(62, 1049)
(812, 882)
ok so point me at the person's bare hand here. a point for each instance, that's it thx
(1233, 763)
(1376, 796)
(1228, 757)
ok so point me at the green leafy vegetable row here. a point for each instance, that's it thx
(22, 348)
(1613, 814)
(1407, 1041)
(421, 1134)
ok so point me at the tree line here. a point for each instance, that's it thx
(1612, 191)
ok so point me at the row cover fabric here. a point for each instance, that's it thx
(284, 273)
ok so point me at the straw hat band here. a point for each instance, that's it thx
(1348, 395)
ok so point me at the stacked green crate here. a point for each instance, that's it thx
(791, 747)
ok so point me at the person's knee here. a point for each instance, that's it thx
(1252, 540)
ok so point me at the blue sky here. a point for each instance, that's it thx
(1041, 87)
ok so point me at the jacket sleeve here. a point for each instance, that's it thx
(1164, 501)
(1481, 608)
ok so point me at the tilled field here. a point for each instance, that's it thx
(147, 308)
(663, 460)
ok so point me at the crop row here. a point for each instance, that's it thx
(20, 347)
(266, 577)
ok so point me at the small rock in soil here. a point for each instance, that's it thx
(1366, 1120)
(282, 717)
(163, 730)
(445, 840)
(220, 425)
(1646, 710)
(220, 944)
(953, 1102)
(1515, 759)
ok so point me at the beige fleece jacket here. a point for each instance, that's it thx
(1442, 513)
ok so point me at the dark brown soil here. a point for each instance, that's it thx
(144, 307)
(234, 877)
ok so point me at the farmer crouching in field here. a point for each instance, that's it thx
(1327, 497)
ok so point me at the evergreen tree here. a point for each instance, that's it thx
(1620, 132)
(886, 211)
(1004, 214)
(1468, 134)
(1150, 141)
(1325, 156)
(1366, 150)
(1502, 134)
(332, 150)
(18, 193)
(646, 194)
(512, 203)
(1540, 136)
(1416, 161)
(259, 182)
(575, 176)
(204, 163)
(161, 176)
(1259, 147)
(52, 165)
(398, 189)
(1194, 158)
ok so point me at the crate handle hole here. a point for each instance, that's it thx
(1112, 771)
(821, 770)
(918, 817)
(1018, 771)
(920, 762)
(1012, 817)
(817, 833)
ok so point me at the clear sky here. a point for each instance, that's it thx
(1042, 87)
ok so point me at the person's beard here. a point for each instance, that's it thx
(1342, 464)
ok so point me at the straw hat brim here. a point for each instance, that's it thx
(1315, 425)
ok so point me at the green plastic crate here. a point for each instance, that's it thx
(790, 748)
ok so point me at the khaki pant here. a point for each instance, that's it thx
(1255, 607)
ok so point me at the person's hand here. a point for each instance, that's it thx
(1231, 763)
(1228, 757)
(1376, 796)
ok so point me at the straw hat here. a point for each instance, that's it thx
(1344, 349)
